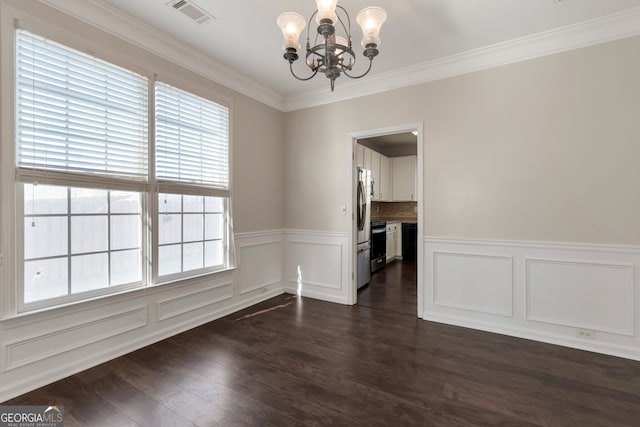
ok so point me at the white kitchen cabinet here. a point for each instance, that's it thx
(381, 172)
(371, 157)
(360, 155)
(386, 179)
(375, 174)
(404, 178)
(393, 229)
(367, 157)
(398, 244)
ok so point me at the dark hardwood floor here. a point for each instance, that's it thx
(393, 288)
(296, 361)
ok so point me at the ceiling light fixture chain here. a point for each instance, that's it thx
(333, 54)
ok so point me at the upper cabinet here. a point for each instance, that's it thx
(375, 175)
(386, 179)
(404, 178)
(360, 155)
(393, 179)
(367, 157)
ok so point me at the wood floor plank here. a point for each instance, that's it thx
(186, 404)
(80, 403)
(294, 361)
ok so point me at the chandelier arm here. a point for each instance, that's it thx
(315, 71)
(310, 19)
(347, 30)
(309, 26)
(344, 70)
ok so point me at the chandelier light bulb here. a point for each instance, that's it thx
(370, 20)
(291, 24)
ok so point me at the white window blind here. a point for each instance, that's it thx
(192, 139)
(76, 113)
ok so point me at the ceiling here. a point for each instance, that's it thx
(244, 35)
(394, 145)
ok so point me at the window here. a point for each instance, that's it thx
(192, 171)
(190, 233)
(76, 113)
(78, 240)
(87, 194)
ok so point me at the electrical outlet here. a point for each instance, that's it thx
(585, 333)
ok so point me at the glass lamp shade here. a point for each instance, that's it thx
(370, 20)
(291, 24)
(326, 10)
(341, 40)
(347, 58)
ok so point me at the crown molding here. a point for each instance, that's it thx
(113, 21)
(599, 30)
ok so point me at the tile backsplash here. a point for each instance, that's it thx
(394, 209)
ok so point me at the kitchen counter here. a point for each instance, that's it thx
(407, 219)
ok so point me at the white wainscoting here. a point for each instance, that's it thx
(316, 265)
(577, 295)
(264, 253)
(186, 303)
(481, 283)
(583, 295)
(42, 347)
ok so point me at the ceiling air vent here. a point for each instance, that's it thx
(191, 10)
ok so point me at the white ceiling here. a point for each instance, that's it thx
(394, 145)
(244, 36)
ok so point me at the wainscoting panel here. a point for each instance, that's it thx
(473, 282)
(316, 265)
(577, 295)
(264, 255)
(42, 347)
(193, 300)
(584, 295)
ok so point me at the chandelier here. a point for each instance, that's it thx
(332, 52)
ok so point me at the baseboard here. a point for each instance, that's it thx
(318, 296)
(549, 338)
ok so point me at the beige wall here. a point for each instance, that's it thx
(90, 332)
(257, 167)
(543, 150)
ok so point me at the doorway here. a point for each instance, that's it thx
(393, 158)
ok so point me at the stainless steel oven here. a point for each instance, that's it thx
(378, 244)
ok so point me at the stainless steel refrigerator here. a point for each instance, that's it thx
(363, 221)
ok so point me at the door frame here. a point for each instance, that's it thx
(352, 139)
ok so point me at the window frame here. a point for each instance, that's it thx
(11, 178)
(79, 296)
(192, 189)
(170, 278)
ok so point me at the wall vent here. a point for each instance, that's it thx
(191, 10)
